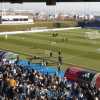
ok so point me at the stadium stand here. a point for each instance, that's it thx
(95, 24)
(26, 81)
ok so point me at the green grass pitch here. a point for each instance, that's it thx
(76, 49)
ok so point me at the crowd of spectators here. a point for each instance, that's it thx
(17, 83)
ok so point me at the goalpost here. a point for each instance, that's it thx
(92, 35)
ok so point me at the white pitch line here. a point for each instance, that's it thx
(71, 57)
(39, 30)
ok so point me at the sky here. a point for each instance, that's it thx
(92, 8)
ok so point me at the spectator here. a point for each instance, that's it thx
(19, 83)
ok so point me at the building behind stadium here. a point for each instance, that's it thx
(16, 17)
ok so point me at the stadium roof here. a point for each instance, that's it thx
(48, 1)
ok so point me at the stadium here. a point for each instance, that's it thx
(54, 58)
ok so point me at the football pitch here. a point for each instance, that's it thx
(76, 48)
